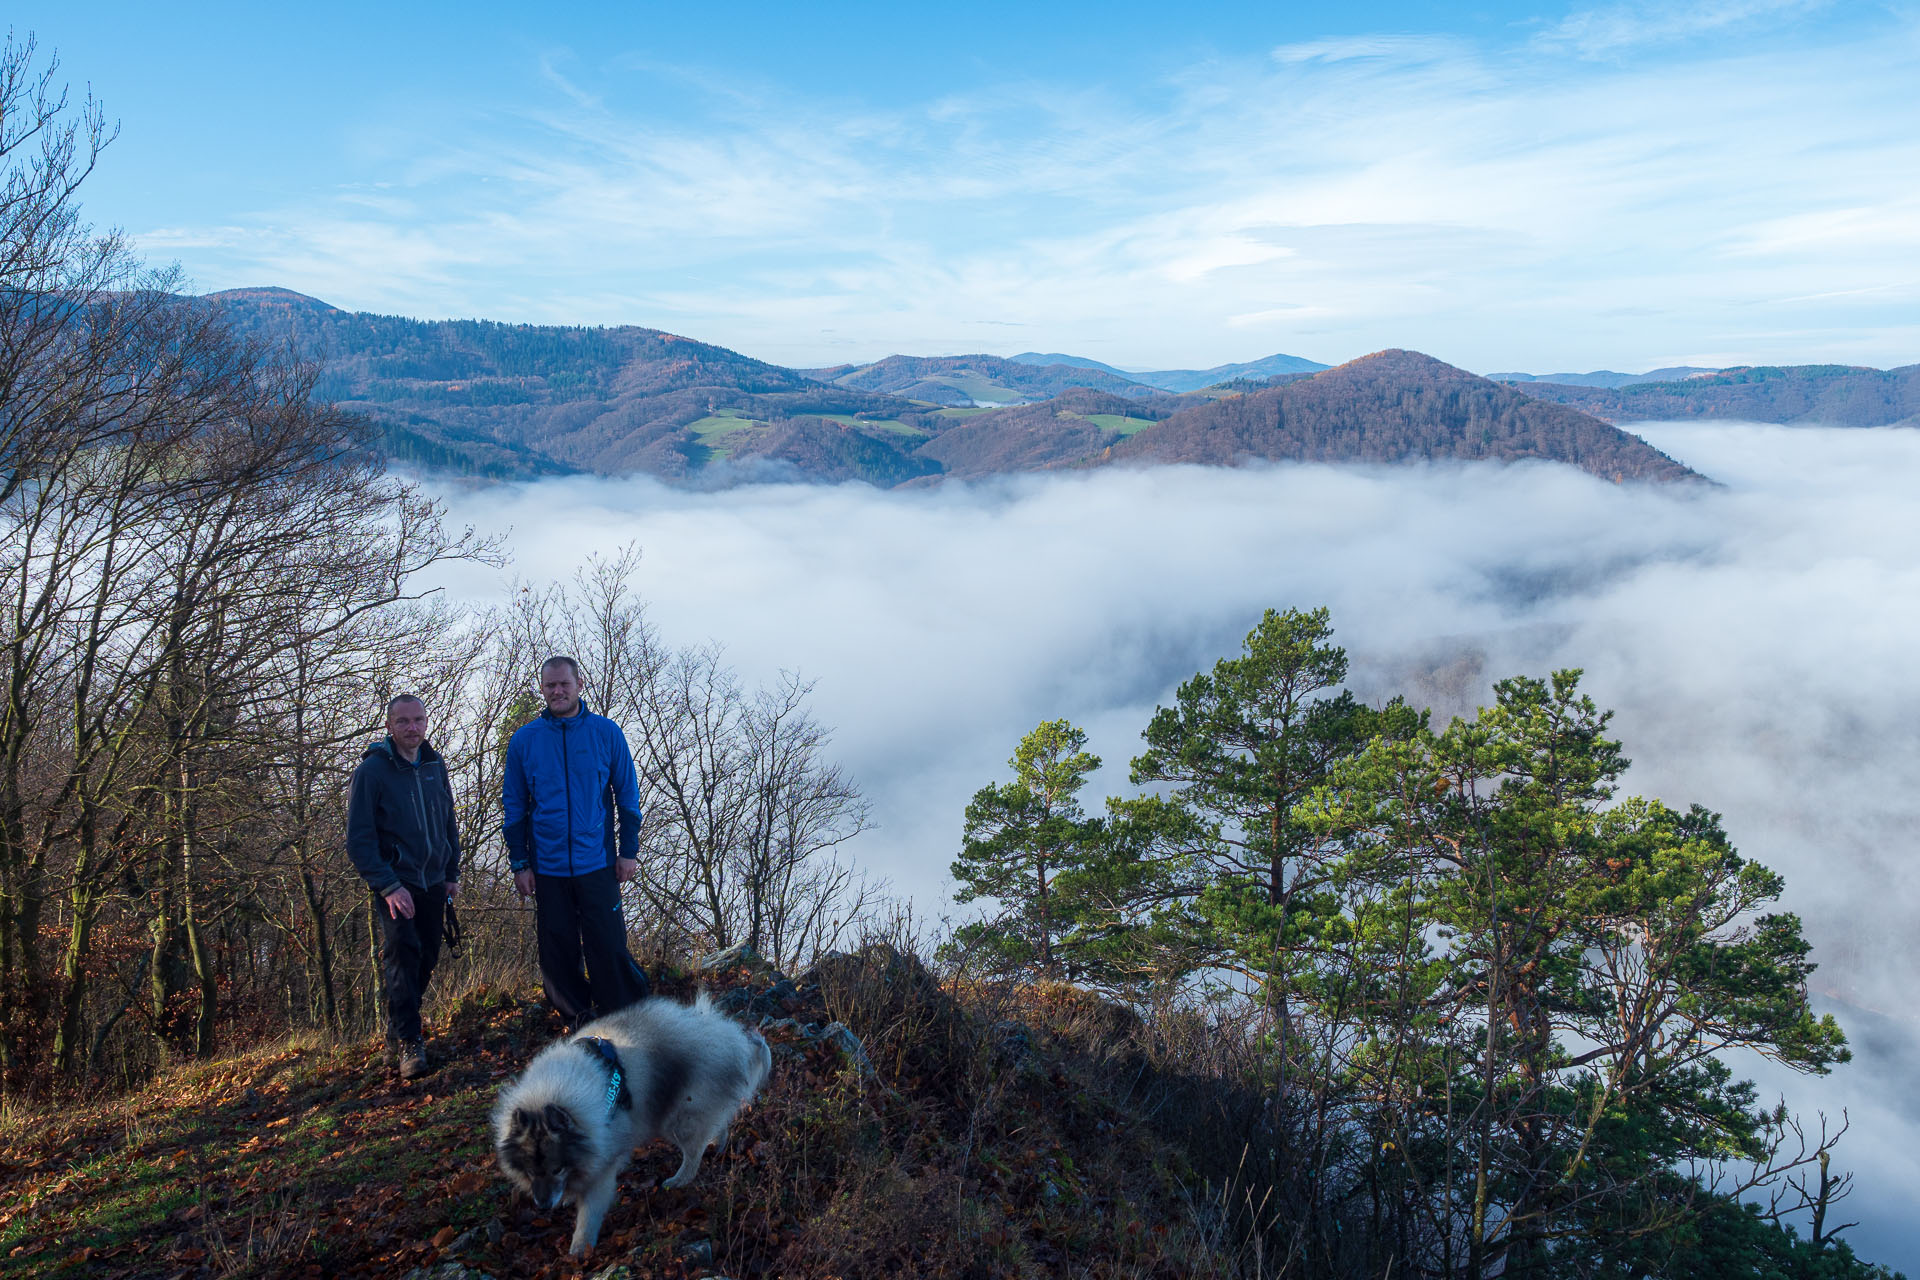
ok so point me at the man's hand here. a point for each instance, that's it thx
(453, 887)
(523, 881)
(400, 903)
(625, 869)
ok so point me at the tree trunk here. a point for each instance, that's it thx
(379, 984)
(14, 985)
(164, 972)
(73, 973)
(197, 949)
(323, 943)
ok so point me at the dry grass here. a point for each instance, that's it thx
(1008, 1131)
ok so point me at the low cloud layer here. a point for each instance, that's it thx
(1757, 641)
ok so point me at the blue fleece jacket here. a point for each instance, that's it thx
(566, 778)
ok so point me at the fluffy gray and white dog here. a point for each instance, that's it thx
(567, 1126)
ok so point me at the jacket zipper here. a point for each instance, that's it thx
(566, 783)
(426, 828)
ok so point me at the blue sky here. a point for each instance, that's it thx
(1505, 186)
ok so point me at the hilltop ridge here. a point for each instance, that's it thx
(1396, 406)
(516, 401)
(1179, 380)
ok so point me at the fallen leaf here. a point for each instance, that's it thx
(444, 1237)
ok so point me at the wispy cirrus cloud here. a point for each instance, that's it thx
(1610, 29)
(1502, 206)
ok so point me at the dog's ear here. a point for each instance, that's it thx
(524, 1118)
(558, 1118)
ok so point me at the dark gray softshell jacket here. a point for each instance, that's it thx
(400, 827)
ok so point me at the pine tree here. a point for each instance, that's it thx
(1567, 969)
(1024, 842)
(1242, 746)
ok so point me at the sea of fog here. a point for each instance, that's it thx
(1760, 642)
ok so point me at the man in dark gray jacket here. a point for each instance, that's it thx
(401, 837)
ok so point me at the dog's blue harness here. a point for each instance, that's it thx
(617, 1095)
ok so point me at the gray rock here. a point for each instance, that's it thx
(772, 1001)
(842, 1038)
(732, 958)
(698, 1253)
(810, 976)
(783, 1048)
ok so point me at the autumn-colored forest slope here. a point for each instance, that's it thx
(985, 1136)
(504, 401)
(1397, 406)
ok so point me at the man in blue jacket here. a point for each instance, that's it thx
(402, 839)
(569, 775)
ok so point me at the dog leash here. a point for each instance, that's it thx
(617, 1095)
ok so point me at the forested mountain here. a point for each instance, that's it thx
(507, 400)
(1830, 394)
(975, 380)
(503, 401)
(1178, 380)
(1078, 425)
(1395, 406)
(1607, 377)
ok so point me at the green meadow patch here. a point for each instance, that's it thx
(975, 387)
(722, 423)
(712, 431)
(1126, 426)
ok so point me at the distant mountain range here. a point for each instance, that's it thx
(969, 381)
(1829, 394)
(1606, 377)
(1178, 380)
(505, 401)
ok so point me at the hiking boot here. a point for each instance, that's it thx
(413, 1060)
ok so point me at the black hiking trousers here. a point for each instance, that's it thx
(408, 951)
(579, 920)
